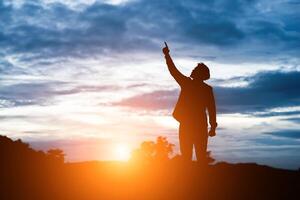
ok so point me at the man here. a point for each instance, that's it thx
(196, 97)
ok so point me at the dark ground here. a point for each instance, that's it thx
(169, 180)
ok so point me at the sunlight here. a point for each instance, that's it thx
(122, 152)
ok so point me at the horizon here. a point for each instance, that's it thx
(89, 77)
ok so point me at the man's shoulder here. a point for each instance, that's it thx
(206, 86)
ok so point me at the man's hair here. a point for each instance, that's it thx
(202, 71)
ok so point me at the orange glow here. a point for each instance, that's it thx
(122, 152)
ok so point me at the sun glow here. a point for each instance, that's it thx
(122, 152)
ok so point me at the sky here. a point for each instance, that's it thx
(89, 76)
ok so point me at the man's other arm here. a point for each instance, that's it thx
(212, 113)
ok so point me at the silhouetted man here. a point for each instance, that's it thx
(196, 97)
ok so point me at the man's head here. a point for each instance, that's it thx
(201, 72)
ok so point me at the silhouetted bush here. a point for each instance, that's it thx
(56, 155)
(209, 158)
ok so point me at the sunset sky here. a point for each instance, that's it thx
(89, 76)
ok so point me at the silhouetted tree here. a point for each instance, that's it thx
(153, 151)
(17, 152)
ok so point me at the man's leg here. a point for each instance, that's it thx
(185, 141)
(200, 142)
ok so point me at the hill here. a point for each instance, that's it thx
(44, 178)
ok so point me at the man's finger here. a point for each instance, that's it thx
(166, 45)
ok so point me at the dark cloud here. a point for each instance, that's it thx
(293, 119)
(55, 30)
(285, 138)
(265, 90)
(294, 134)
(274, 113)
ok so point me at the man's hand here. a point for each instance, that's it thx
(166, 49)
(212, 132)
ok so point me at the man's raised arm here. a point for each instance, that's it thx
(178, 76)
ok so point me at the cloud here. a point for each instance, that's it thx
(25, 94)
(265, 90)
(42, 93)
(157, 100)
(38, 30)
